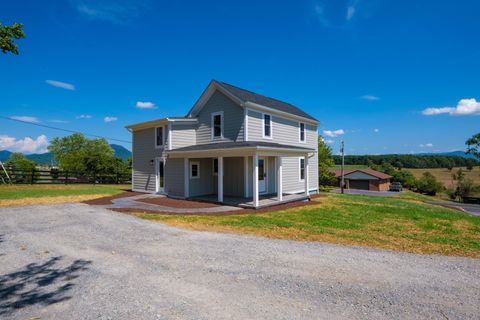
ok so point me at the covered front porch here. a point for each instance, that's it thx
(245, 175)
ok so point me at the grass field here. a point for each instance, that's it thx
(445, 175)
(405, 224)
(47, 194)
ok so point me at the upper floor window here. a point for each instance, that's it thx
(217, 125)
(267, 126)
(159, 136)
(301, 132)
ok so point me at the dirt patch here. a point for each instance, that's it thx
(178, 203)
(280, 207)
(47, 200)
(108, 200)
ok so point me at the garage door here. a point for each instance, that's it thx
(359, 184)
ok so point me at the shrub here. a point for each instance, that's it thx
(428, 184)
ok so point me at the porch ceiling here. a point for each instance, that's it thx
(232, 149)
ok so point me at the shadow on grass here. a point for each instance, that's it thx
(43, 283)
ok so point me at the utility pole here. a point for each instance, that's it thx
(342, 183)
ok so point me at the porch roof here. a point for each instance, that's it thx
(250, 146)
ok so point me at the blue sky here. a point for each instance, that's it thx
(385, 76)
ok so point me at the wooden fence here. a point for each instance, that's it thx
(54, 176)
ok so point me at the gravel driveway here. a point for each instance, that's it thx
(75, 261)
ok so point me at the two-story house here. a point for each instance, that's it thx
(234, 146)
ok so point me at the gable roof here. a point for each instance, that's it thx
(243, 96)
(249, 96)
(371, 172)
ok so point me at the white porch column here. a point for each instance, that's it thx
(245, 176)
(220, 179)
(186, 178)
(279, 179)
(306, 178)
(255, 180)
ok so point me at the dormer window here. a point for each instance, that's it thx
(158, 136)
(267, 126)
(301, 131)
(217, 125)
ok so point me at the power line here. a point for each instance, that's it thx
(66, 130)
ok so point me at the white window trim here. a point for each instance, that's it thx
(221, 125)
(300, 169)
(213, 167)
(157, 146)
(192, 163)
(263, 126)
(300, 132)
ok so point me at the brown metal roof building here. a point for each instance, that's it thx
(365, 179)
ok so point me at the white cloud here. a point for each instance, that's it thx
(328, 141)
(465, 107)
(376, 130)
(145, 105)
(115, 11)
(426, 145)
(25, 119)
(84, 116)
(25, 145)
(369, 97)
(333, 133)
(110, 119)
(60, 84)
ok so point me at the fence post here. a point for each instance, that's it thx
(66, 177)
(33, 176)
(117, 177)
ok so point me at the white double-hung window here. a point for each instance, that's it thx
(301, 132)
(159, 137)
(267, 125)
(217, 125)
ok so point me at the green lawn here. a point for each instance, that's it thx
(392, 223)
(40, 191)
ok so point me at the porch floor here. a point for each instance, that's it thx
(267, 200)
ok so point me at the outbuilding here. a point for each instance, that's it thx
(364, 179)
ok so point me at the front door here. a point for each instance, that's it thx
(160, 175)
(262, 175)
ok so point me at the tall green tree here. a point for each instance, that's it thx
(325, 163)
(473, 145)
(8, 35)
(79, 154)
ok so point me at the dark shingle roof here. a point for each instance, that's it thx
(371, 172)
(246, 95)
(245, 144)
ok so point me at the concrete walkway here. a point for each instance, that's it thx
(133, 203)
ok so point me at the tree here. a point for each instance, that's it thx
(325, 163)
(473, 145)
(27, 167)
(79, 154)
(8, 35)
(428, 184)
(464, 186)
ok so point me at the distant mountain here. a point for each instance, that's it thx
(121, 152)
(47, 158)
(451, 154)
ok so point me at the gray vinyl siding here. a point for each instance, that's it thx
(284, 131)
(203, 185)
(143, 152)
(183, 135)
(174, 170)
(291, 174)
(233, 118)
(233, 177)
